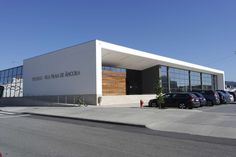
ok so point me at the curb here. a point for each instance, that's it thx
(86, 119)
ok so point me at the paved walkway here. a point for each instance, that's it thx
(217, 121)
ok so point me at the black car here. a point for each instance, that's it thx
(223, 99)
(1, 91)
(180, 100)
(211, 96)
(202, 99)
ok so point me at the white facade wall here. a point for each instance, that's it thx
(45, 75)
(98, 69)
(221, 82)
(80, 58)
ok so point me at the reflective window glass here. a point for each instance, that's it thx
(179, 80)
(12, 81)
(207, 82)
(195, 80)
(164, 79)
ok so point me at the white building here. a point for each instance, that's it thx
(117, 74)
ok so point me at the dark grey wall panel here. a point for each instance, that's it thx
(133, 82)
(149, 77)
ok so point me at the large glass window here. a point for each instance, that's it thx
(214, 81)
(12, 81)
(179, 80)
(164, 79)
(207, 82)
(196, 80)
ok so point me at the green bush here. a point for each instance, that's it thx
(158, 92)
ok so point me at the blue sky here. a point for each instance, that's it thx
(198, 31)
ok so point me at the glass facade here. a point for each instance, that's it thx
(214, 82)
(12, 81)
(163, 77)
(195, 80)
(181, 80)
(207, 82)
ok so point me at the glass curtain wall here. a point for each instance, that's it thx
(12, 81)
(180, 80)
(164, 79)
(207, 82)
(195, 81)
(214, 82)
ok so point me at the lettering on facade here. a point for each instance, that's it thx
(56, 75)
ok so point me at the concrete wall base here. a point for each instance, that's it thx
(48, 100)
(126, 99)
(72, 100)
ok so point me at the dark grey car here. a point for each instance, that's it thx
(180, 100)
(211, 96)
(227, 96)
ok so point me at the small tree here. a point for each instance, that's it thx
(158, 92)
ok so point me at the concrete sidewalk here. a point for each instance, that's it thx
(197, 121)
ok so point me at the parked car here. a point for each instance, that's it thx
(180, 100)
(211, 96)
(1, 91)
(234, 94)
(202, 99)
(222, 95)
(227, 96)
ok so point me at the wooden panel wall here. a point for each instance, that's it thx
(113, 83)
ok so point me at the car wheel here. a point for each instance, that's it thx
(182, 106)
(150, 104)
(155, 105)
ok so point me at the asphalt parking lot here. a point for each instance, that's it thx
(215, 121)
(222, 108)
(39, 136)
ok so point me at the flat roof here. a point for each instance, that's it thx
(124, 57)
